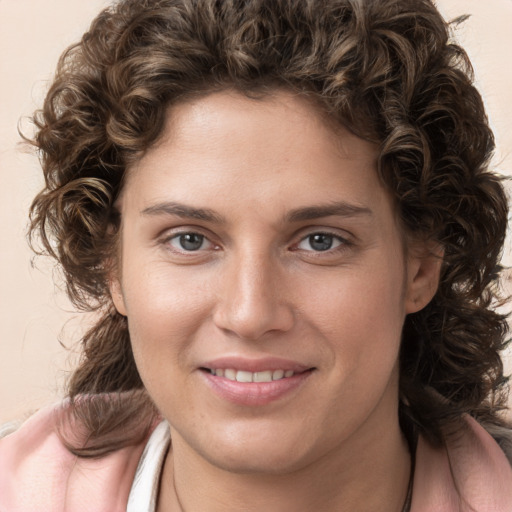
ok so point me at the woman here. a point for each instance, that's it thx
(284, 215)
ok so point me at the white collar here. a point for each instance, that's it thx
(144, 491)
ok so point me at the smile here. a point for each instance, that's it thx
(255, 388)
(245, 376)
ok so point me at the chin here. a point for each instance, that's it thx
(252, 454)
(258, 463)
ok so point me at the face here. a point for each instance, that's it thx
(266, 282)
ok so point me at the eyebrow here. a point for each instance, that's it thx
(338, 209)
(184, 211)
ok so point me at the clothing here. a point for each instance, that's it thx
(37, 473)
(144, 491)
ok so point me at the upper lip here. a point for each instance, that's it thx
(255, 365)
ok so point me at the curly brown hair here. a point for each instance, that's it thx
(386, 69)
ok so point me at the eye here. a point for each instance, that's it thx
(320, 242)
(189, 242)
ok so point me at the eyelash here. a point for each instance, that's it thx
(176, 236)
(341, 243)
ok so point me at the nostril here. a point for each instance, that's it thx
(254, 322)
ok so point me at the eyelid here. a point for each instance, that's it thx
(177, 237)
(343, 235)
(341, 241)
(173, 233)
(346, 239)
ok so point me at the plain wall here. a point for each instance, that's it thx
(35, 317)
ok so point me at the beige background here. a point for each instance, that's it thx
(34, 316)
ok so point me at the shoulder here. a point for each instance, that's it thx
(503, 437)
(38, 472)
(9, 428)
(470, 471)
(33, 463)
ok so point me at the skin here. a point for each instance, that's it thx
(258, 286)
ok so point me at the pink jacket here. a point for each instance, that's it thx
(38, 474)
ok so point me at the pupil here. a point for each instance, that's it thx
(320, 242)
(191, 241)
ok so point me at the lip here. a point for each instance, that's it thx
(254, 393)
(255, 365)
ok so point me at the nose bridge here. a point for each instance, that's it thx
(252, 301)
(254, 286)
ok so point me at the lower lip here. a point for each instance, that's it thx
(254, 393)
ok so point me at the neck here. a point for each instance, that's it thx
(368, 472)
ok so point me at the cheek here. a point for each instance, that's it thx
(362, 325)
(164, 309)
(361, 321)
(162, 293)
(357, 300)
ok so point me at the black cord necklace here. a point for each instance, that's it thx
(408, 498)
(412, 441)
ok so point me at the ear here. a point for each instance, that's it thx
(116, 292)
(113, 262)
(423, 272)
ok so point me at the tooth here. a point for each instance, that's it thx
(230, 374)
(278, 374)
(242, 376)
(265, 376)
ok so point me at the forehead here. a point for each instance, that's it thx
(297, 117)
(225, 146)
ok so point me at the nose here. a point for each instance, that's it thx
(252, 299)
